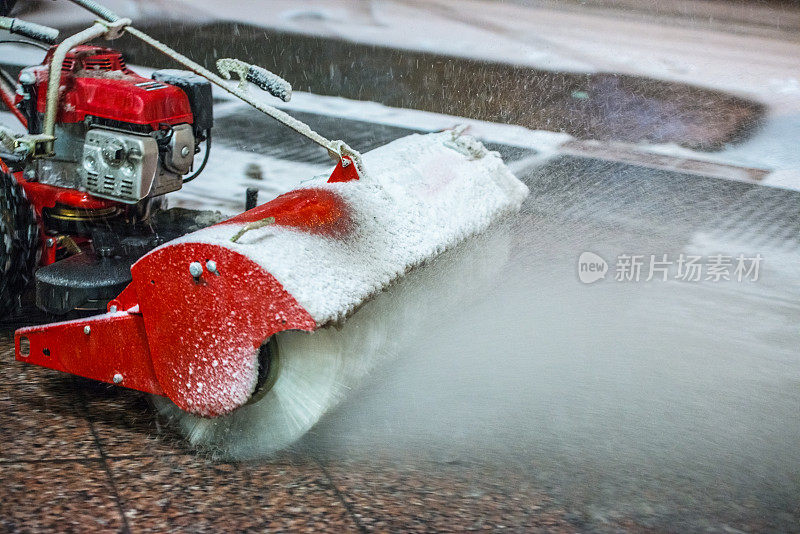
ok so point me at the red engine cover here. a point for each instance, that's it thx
(95, 81)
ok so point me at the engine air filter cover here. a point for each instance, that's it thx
(118, 165)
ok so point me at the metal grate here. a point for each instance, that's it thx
(126, 188)
(99, 64)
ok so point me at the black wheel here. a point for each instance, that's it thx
(19, 238)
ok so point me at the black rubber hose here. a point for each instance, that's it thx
(45, 34)
(205, 159)
(29, 43)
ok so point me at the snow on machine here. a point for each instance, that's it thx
(229, 322)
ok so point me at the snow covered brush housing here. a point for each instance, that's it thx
(193, 324)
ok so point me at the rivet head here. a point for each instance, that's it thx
(87, 329)
(185, 151)
(50, 241)
(211, 265)
(113, 309)
(195, 269)
(117, 378)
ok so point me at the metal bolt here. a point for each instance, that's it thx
(87, 329)
(113, 309)
(50, 241)
(196, 269)
(117, 378)
(211, 265)
(185, 151)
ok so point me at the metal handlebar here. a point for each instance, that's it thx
(31, 30)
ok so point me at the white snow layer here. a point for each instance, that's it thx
(226, 177)
(422, 195)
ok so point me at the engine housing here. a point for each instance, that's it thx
(119, 136)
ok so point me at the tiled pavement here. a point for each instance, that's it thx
(82, 457)
(79, 456)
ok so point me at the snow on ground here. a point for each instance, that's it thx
(373, 112)
(770, 149)
(749, 60)
(729, 58)
(223, 183)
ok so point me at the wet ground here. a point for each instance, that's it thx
(553, 443)
(81, 457)
(599, 106)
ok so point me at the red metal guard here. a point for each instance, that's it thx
(345, 171)
(194, 339)
(314, 210)
(111, 348)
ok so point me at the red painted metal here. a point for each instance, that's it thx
(345, 171)
(223, 318)
(313, 210)
(116, 344)
(96, 82)
(89, 56)
(10, 102)
(125, 301)
(193, 340)
(48, 255)
(47, 196)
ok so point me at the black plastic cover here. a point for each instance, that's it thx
(81, 281)
(198, 89)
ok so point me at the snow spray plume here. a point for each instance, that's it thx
(669, 402)
(316, 370)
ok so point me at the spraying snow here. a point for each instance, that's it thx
(422, 195)
(315, 371)
(669, 402)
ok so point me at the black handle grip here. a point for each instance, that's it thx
(270, 82)
(34, 31)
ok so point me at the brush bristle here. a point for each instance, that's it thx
(317, 370)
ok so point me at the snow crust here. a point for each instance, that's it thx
(423, 194)
(170, 76)
(271, 82)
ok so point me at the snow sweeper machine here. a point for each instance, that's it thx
(225, 322)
